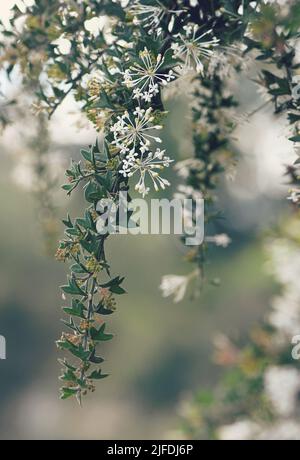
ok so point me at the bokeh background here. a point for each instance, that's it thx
(162, 352)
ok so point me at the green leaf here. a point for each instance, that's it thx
(117, 290)
(100, 335)
(87, 222)
(67, 222)
(93, 192)
(69, 376)
(69, 187)
(97, 375)
(87, 155)
(70, 324)
(65, 363)
(113, 282)
(77, 309)
(114, 286)
(73, 232)
(95, 359)
(295, 138)
(293, 118)
(78, 268)
(72, 288)
(79, 352)
(90, 244)
(68, 392)
(102, 310)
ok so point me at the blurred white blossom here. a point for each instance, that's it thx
(241, 430)
(174, 285)
(282, 385)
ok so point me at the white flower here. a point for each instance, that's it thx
(147, 163)
(186, 191)
(146, 77)
(151, 15)
(96, 24)
(285, 314)
(64, 45)
(286, 263)
(184, 167)
(129, 132)
(174, 285)
(294, 195)
(241, 430)
(23, 4)
(283, 430)
(247, 430)
(191, 48)
(226, 60)
(219, 240)
(282, 385)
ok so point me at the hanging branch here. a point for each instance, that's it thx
(213, 156)
(117, 60)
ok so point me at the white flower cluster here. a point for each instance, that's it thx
(146, 77)
(247, 430)
(151, 16)
(146, 162)
(129, 133)
(133, 137)
(133, 134)
(281, 382)
(285, 314)
(282, 386)
(192, 48)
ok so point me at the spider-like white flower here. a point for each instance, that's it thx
(146, 163)
(129, 132)
(192, 48)
(146, 77)
(151, 16)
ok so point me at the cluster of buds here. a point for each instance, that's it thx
(93, 265)
(107, 299)
(72, 338)
(63, 253)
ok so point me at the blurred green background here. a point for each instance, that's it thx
(162, 351)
